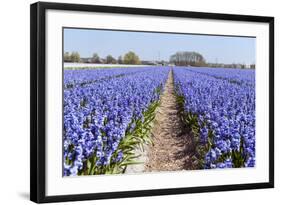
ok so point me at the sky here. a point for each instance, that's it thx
(159, 46)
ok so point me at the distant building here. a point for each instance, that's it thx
(148, 62)
(85, 60)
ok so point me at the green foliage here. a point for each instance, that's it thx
(95, 58)
(191, 121)
(237, 156)
(135, 139)
(120, 60)
(131, 58)
(110, 60)
(75, 57)
(66, 57)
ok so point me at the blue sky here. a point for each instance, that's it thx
(155, 46)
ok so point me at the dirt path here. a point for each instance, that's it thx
(173, 145)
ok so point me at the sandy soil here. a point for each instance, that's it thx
(173, 146)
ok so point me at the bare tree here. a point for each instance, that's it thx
(75, 57)
(95, 58)
(187, 58)
(66, 57)
(120, 60)
(110, 60)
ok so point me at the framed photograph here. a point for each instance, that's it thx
(129, 102)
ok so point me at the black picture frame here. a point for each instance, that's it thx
(38, 100)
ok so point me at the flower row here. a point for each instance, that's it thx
(99, 116)
(222, 114)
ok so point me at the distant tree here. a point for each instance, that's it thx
(120, 60)
(66, 57)
(110, 60)
(95, 58)
(131, 58)
(75, 57)
(186, 58)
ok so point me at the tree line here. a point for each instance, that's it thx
(187, 58)
(128, 58)
(180, 58)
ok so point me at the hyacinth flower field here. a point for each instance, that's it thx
(160, 118)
